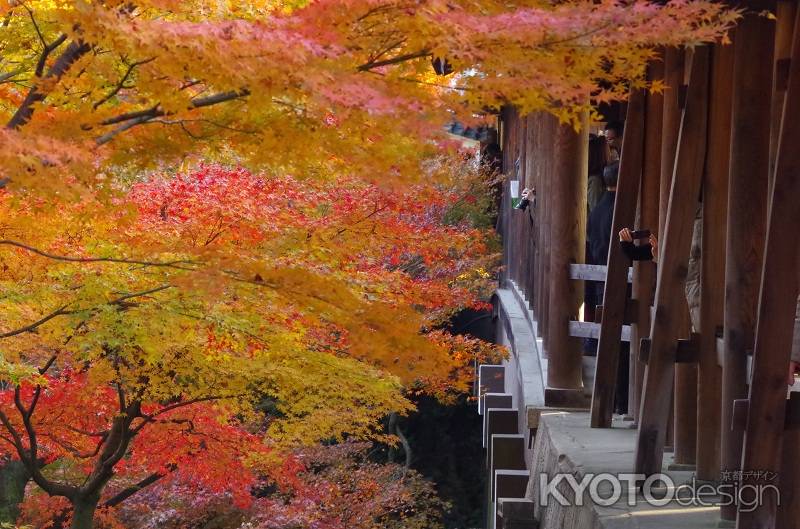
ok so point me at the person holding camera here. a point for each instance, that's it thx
(649, 251)
(640, 252)
(527, 196)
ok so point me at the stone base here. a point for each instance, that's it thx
(566, 398)
(566, 444)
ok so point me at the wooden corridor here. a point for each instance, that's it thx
(723, 139)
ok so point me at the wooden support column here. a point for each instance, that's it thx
(674, 73)
(644, 272)
(568, 232)
(712, 274)
(789, 509)
(685, 390)
(530, 181)
(616, 287)
(776, 309)
(747, 201)
(674, 67)
(673, 254)
(546, 146)
(784, 29)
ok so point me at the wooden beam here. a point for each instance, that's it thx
(784, 29)
(631, 313)
(712, 274)
(616, 287)
(670, 126)
(567, 200)
(549, 125)
(789, 509)
(776, 309)
(674, 252)
(685, 387)
(687, 350)
(644, 272)
(674, 99)
(747, 208)
(585, 329)
(589, 272)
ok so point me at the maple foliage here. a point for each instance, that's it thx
(335, 487)
(166, 317)
(314, 88)
(221, 304)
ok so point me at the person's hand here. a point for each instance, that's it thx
(653, 240)
(526, 193)
(792, 369)
(625, 235)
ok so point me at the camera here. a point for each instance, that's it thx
(523, 204)
(640, 234)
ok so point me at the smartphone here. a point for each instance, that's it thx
(640, 234)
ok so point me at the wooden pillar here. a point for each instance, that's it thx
(685, 387)
(682, 425)
(712, 274)
(524, 181)
(776, 309)
(789, 509)
(673, 254)
(616, 287)
(674, 70)
(671, 121)
(784, 29)
(531, 181)
(644, 272)
(546, 152)
(747, 200)
(568, 235)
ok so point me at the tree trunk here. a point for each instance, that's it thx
(13, 478)
(83, 512)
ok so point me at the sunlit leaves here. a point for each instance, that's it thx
(331, 86)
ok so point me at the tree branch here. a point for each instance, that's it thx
(394, 60)
(31, 327)
(169, 264)
(63, 312)
(126, 493)
(121, 84)
(74, 51)
(132, 119)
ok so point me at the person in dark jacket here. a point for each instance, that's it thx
(600, 220)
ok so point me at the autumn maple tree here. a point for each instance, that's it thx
(230, 229)
(207, 296)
